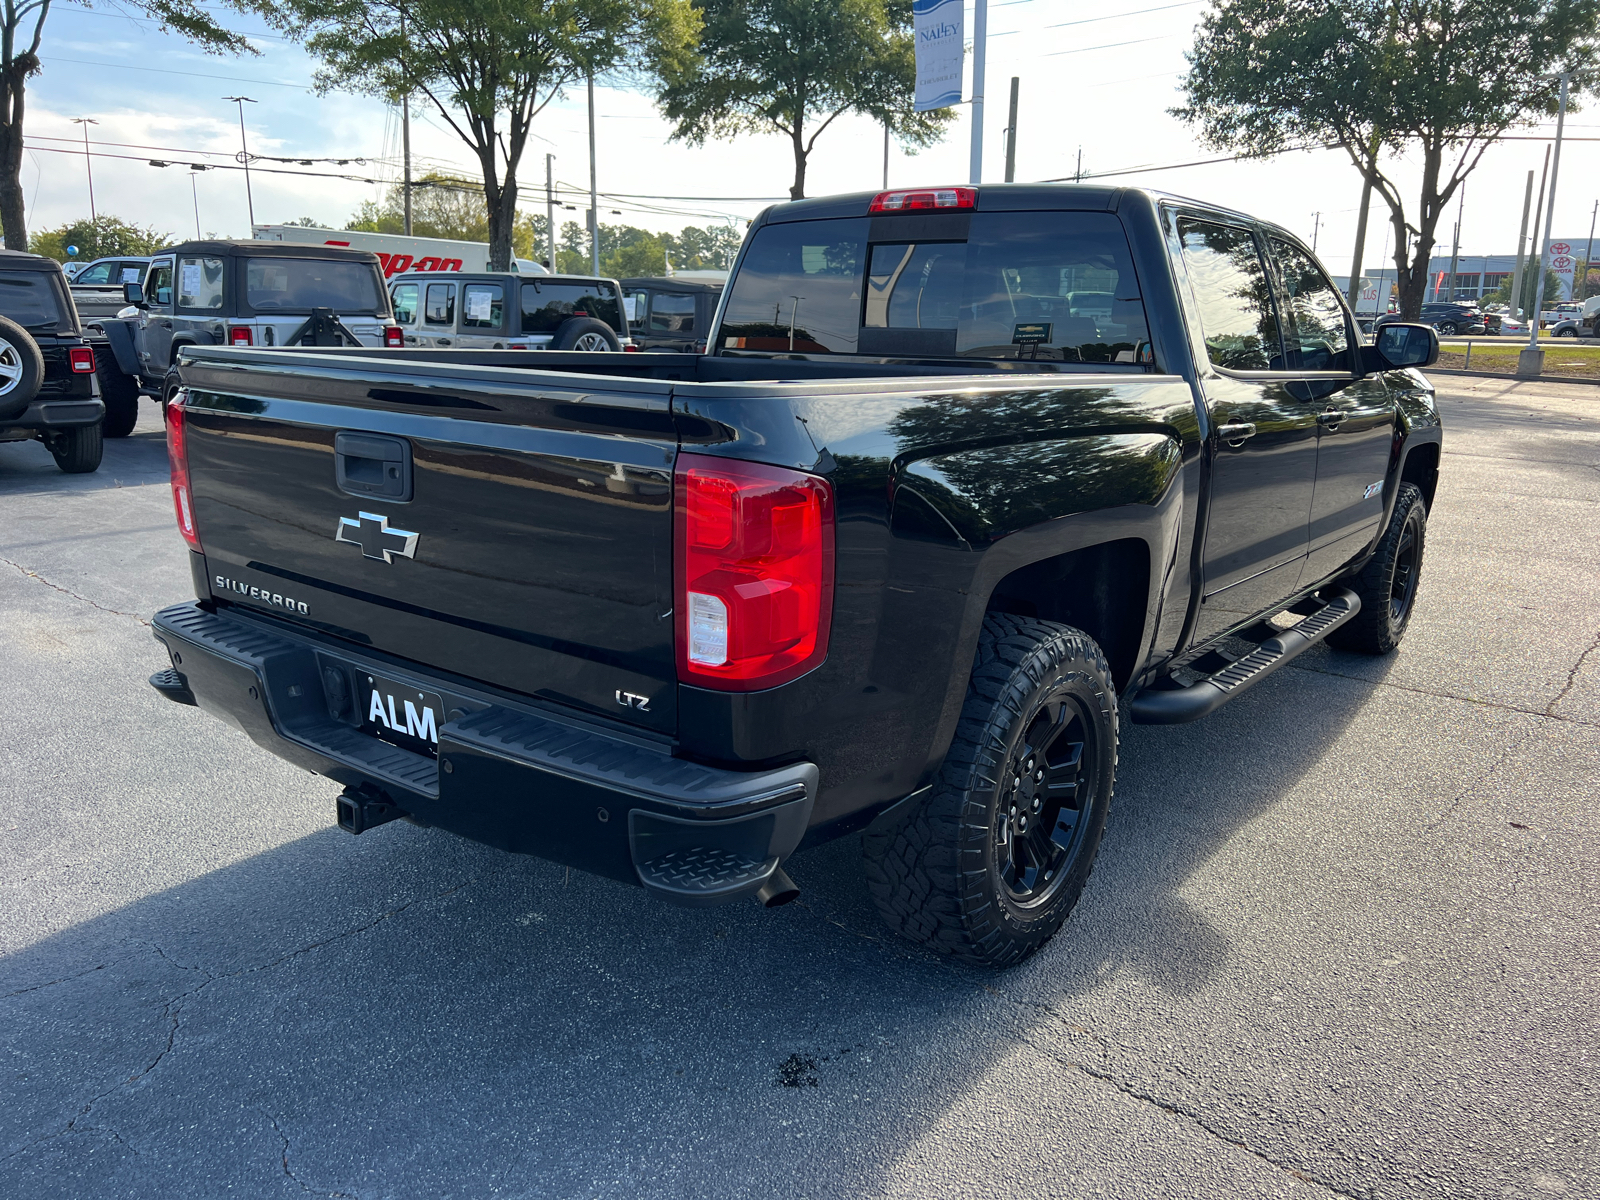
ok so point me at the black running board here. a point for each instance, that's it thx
(1175, 706)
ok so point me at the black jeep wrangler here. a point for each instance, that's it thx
(48, 388)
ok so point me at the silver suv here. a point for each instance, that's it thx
(491, 310)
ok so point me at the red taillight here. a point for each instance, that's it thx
(394, 337)
(82, 359)
(629, 348)
(755, 572)
(178, 455)
(956, 197)
(240, 335)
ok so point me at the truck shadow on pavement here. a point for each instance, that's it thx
(410, 1014)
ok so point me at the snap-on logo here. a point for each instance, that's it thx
(277, 599)
(394, 264)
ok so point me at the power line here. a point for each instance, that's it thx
(84, 62)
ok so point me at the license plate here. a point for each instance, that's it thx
(403, 716)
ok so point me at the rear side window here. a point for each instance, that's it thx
(1045, 286)
(546, 305)
(483, 306)
(200, 283)
(1230, 286)
(672, 312)
(301, 284)
(441, 309)
(1315, 334)
(27, 298)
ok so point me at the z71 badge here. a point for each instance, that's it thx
(1373, 489)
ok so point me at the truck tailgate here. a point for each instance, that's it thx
(529, 545)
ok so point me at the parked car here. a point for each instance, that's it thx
(894, 561)
(47, 366)
(492, 310)
(70, 269)
(1449, 318)
(670, 313)
(1505, 325)
(97, 288)
(244, 293)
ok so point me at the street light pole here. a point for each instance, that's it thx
(1531, 360)
(86, 122)
(550, 207)
(244, 157)
(980, 38)
(194, 191)
(594, 196)
(1588, 255)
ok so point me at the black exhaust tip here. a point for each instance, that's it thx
(356, 811)
(778, 890)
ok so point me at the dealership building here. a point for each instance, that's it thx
(1479, 275)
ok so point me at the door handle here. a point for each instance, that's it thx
(1236, 433)
(1330, 419)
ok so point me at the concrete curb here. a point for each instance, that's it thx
(1512, 376)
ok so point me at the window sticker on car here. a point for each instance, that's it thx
(1030, 333)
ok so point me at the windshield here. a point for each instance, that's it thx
(300, 284)
(28, 299)
(546, 305)
(1046, 286)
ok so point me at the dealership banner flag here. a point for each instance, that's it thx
(940, 33)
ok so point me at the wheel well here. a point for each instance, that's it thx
(1422, 468)
(1103, 590)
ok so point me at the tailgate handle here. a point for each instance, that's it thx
(371, 465)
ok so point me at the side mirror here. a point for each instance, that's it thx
(1401, 345)
(133, 293)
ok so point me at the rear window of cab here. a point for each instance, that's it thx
(1046, 286)
(29, 298)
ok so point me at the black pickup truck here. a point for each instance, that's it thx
(966, 474)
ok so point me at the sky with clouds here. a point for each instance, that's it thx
(1095, 80)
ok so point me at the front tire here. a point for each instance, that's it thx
(1388, 583)
(989, 864)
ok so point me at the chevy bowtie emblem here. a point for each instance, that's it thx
(371, 532)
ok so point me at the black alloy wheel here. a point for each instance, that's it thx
(1447, 328)
(1407, 569)
(988, 862)
(1388, 583)
(1046, 798)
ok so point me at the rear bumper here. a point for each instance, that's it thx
(508, 775)
(56, 414)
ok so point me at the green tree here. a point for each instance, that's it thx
(488, 67)
(22, 33)
(794, 67)
(100, 238)
(443, 206)
(1402, 78)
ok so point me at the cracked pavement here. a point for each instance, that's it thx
(1340, 941)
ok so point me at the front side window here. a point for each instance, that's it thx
(297, 285)
(1231, 290)
(672, 312)
(441, 306)
(546, 305)
(1041, 286)
(1317, 339)
(200, 283)
(158, 288)
(483, 306)
(28, 299)
(405, 303)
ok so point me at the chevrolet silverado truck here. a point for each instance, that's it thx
(967, 476)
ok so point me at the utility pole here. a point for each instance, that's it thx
(886, 156)
(594, 194)
(405, 128)
(1455, 242)
(550, 208)
(244, 157)
(1531, 360)
(1522, 238)
(1011, 134)
(1077, 175)
(1588, 254)
(194, 192)
(980, 38)
(1316, 227)
(86, 122)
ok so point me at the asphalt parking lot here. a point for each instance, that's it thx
(1340, 941)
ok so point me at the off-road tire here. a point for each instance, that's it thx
(1393, 574)
(23, 368)
(78, 451)
(119, 392)
(935, 870)
(171, 385)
